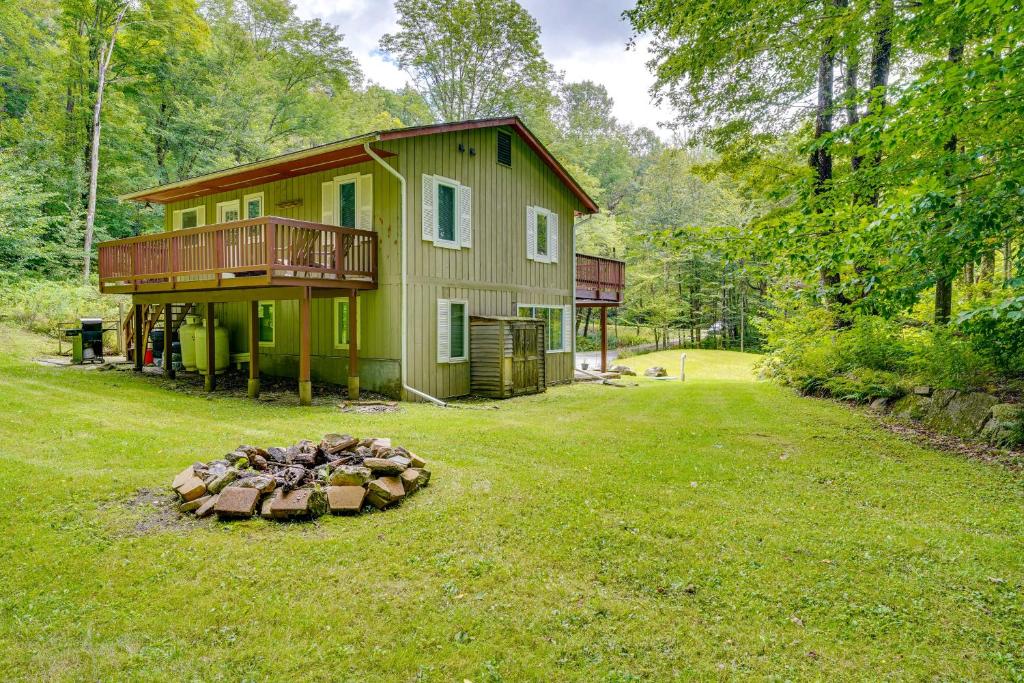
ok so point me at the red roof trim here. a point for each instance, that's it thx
(521, 130)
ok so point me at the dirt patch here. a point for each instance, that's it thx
(154, 511)
(1011, 460)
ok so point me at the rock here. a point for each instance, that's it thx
(236, 502)
(218, 467)
(923, 391)
(335, 443)
(401, 460)
(277, 454)
(416, 461)
(378, 445)
(193, 505)
(265, 506)
(258, 461)
(622, 370)
(206, 508)
(183, 477)
(911, 407)
(293, 476)
(262, 483)
(306, 446)
(1001, 427)
(881, 404)
(192, 488)
(410, 479)
(656, 371)
(383, 466)
(423, 478)
(350, 475)
(964, 414)
(242, 463)
(300, 503)
(218, 484)
(385, 491)
(345, 500)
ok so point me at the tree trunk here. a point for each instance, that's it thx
(821, 159)
(94, 146)
(943, 300)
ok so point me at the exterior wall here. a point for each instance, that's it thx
(494, 275)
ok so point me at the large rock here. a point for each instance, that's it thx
(383, 466)
(336, 443)
(221, 482)
(299, 503)
(345, 500)
(263, 483)
(191, 488)
(623, 370)
(207, 508)
(184, 476)
(881, 404)
(656, 371)
(964, 414)
(1002, 426)
(911, 407)
(350, 475)
(385, 491)
(193, 505)
(236, 502)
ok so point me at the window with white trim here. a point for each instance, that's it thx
(266, 311)
(541, 235)
(341, 336)
(183, 219)
(556, 324)
(228, 211)
(452, 330)
(348, 201)
(253, 204)
(447, 213)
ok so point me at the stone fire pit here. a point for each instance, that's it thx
(341, 474)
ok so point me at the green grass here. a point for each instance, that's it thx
(716, 528)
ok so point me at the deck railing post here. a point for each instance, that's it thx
(271, 241)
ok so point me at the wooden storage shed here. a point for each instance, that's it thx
(506, 356)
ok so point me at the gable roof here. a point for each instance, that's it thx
(342, 153)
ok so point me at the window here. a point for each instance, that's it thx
(253, 205)
(341, 338)
(267, 310)
(504, 148)
(348, 201)
(189, 218)
(447, 213)
(347, 204)
(541, 235)
(452, 330)
(556, 324)
(228, 211)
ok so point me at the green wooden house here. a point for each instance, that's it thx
(361, 261)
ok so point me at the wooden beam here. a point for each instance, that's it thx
(139, 351)
(353, 344)
(254, 349)
(168, 336)
(276, 293)
(305, 342)
(604, 339)
(211, 349)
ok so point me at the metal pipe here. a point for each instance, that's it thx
(405, 283)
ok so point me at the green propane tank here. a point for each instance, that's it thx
(223, 358)
(187, 337)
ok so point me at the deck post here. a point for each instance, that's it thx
(168, 335)
(305, 340)
(353, 344)
(211, 350)
(604, 339)
(139, 351)
(254, 349)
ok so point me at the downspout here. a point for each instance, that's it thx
(405, 283)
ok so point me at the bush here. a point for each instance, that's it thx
(39, 305)
(627, 339)
(946, 358)
(864, 384)
(587, 344)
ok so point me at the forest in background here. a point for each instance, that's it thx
(193, 87)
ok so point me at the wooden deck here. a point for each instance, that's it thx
(259, 252)
(600, 281)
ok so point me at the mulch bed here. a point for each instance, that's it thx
(975, 450)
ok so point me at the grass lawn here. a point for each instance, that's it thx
(716, 528)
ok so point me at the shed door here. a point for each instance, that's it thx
(526, 349)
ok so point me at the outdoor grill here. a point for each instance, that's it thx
(87, 340)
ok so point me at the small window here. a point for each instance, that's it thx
(266, 315)
(458, 331)
(542, 235)
(228, 211)
(341, 338)
(188, 218)
(446, 213)
(504, 148)
(452, 330)
(554, 323)
(347, 204)
(254, 205)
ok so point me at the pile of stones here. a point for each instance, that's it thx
(341, 474)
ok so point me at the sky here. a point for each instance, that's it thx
(584, 39)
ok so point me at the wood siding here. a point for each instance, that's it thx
(494, 275)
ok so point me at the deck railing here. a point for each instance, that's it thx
(600, 279)
(268, 248)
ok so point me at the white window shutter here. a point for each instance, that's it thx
(327, 203)
(443, 327)
(427, 217)
(200, 216)
(364, 220)
(531, 233)
(567, 328)
(465, 216)
(553, 237)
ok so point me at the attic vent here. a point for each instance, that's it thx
(504, 148)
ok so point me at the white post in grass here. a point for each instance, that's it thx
(682, 367)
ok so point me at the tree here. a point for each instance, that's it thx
(473, 58)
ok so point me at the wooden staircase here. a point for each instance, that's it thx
(152, 319)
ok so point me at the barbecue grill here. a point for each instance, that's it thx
(87, 340)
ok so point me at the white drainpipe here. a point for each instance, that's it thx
(405, 284)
